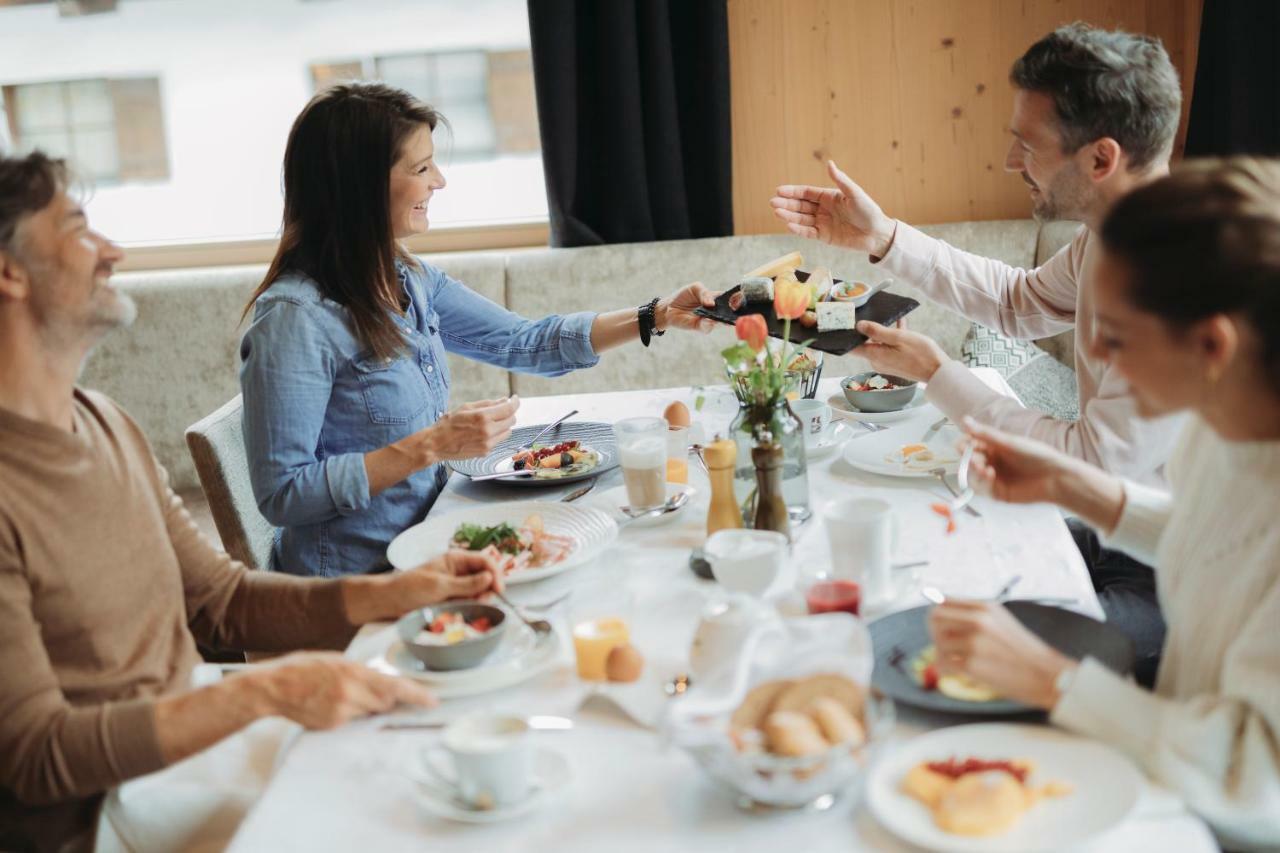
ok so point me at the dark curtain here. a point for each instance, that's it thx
(633, 107)
(1235, 105)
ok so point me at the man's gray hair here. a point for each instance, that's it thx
(1106, 84)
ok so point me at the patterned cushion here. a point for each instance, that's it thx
(1047, 385)
(985, 347)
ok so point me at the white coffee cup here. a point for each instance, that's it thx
(491, 758)
(815, 415)
(862, 534)
(746, 560)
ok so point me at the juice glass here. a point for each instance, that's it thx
(678, 455)
(598, 618)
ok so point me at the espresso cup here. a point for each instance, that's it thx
(491, 760)
(861, 532)
(815, 416)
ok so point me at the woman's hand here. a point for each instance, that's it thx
(1023, 470)
(472, 429)
(1015, 469)
(984, 641)
(676, 311)
(843, 215)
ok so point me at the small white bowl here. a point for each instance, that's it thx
(746, 560)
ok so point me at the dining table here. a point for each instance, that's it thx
(355, 788)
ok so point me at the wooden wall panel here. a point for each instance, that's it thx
(910, 97)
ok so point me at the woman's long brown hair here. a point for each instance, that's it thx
(337, 218)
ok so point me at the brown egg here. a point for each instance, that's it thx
(625, 663)
(677, 414)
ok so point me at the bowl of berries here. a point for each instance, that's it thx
(452, 636)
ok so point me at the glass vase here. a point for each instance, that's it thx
(762, 423)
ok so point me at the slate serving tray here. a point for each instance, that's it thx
(899, 637)
(884, 308)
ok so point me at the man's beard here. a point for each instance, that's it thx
(1066, 196)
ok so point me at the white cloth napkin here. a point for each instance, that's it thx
(196, 804)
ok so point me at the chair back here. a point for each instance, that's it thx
(216, 443)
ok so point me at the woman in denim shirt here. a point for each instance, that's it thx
(343, 371)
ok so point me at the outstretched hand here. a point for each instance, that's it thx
(676, 311)
(843, 215)
(900, 352)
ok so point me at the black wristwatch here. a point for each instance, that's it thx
(648, 315)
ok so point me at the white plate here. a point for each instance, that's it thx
(520, 656)
(836, 434)
(591, 530)
(611, 500)
(1105, 787)
(551, 774)
(916, 406)
(869, 452)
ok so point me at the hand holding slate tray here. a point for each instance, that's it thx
(883, 308)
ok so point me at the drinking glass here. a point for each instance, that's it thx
(599, 617)
(678, 455)
(642, 450)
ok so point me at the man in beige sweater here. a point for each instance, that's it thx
(105, 582)
(1094, 116)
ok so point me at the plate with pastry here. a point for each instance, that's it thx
(906, 670)
(829, 324)
(1002, 787)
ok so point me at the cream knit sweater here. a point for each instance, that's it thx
(1211, 729)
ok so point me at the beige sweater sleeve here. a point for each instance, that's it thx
(50, 750)
(231, 607)
(1220, 752)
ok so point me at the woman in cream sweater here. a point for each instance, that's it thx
(1188, 310)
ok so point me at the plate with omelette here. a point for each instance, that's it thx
(905, 668)
(1002, 787)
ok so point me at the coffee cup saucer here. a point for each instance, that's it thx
(836, 434)
(611, 500)
(551, 775)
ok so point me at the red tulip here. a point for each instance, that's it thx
(790, 299)
(753, 330)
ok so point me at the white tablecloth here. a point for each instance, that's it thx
(347, 789)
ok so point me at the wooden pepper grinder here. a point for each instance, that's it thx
(723, 513)
(771, 509)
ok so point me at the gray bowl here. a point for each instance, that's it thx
(463, 655)
(879, 401)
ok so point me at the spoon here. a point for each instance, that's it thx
(673, 503)
(539, 626)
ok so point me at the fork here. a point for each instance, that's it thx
(941, 474)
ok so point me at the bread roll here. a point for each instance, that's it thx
(837, 724)
(793, 734)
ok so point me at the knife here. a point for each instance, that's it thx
(574, 495)
(540, 722)
(933, 430)
(524, 472)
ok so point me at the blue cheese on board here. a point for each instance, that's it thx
(833, 316)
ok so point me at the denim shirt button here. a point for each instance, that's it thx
(431, 368)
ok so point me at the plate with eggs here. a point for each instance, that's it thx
(890, 453)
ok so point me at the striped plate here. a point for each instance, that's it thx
(594, 435)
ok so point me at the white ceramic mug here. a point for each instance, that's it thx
(862, 534)
(815, 415)
(492, 760)
(746, 560)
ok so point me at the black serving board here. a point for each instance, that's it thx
(883, 308)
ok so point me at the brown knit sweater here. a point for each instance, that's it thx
(106, 584)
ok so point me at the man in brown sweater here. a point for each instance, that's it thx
(105, 582)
